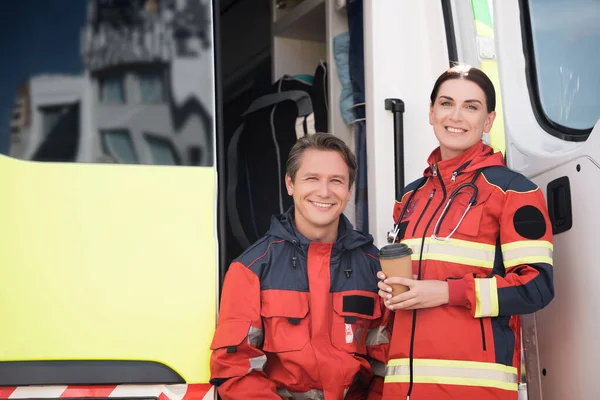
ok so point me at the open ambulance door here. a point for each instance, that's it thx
(108, 268)
(548, 60)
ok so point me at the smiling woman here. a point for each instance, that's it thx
(465, 222)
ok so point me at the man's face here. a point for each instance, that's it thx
(320, 191)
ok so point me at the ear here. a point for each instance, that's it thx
(289, 185)
(431, 114)
(489, 122)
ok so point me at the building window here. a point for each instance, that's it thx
(563, 41)
(112, 89)
(51, 116)
(118, 144)
(151, 87)
(162, 151)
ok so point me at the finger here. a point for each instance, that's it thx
(384, 295)
(407, 305)
(415, 277)
(397, 280)
(381, 275)
(411, 294)
(384, 287)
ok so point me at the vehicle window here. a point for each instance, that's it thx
(564, 38)
(88, 87)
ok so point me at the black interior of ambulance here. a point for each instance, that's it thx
(260, 116)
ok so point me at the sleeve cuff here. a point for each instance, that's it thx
(457, 293)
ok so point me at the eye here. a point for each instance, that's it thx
(445, 104)
(311, 178)
(472, 107)
(336, 180)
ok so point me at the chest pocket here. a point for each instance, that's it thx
(471, 223)
(285, 320)
(353, 313)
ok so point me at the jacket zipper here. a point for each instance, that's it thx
(414, 321)
(482, 334)
(423, 213)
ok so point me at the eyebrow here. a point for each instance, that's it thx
(466, 101)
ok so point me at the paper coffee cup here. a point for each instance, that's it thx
(396, 262)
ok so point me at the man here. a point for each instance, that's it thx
(300, 315)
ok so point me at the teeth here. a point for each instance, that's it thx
(456, 130)
(322, 205)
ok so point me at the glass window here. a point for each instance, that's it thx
(119, 146)
(151, 88)
(50, 118)
(162, 151)
(112, 90)
(110, 56)
(565, 36)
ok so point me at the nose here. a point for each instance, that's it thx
(456, 114)
(324, 188)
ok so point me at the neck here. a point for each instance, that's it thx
(317, 234)
(447, 154)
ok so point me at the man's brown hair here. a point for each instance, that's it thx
(323, 142)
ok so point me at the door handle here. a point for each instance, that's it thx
(558, 193)
(396, 106)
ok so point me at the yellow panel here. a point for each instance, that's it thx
(497, 138)
(108, 262)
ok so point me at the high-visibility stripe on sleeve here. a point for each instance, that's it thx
(453, 372)
(486, 297)
(527, 252)
(454, 250)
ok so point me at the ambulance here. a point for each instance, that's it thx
(115, 120)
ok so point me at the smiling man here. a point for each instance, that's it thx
(300, 316)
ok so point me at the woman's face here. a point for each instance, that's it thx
(459, 116)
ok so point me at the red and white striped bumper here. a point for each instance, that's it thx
(161, 392)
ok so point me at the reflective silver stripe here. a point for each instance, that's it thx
(454, 250)
(257, 363)
(378, 368)
(486, 297)
(453, 372)
(527, 254)
(377, 336)
(255, 336)
(469, 373)
(313, 394)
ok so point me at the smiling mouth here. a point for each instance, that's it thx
(455, 130)
(323, 206)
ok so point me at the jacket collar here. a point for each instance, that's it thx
(475, 157)
(283, 227)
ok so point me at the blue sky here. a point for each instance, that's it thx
(36, 37)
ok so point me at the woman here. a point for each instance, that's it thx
(482, 255)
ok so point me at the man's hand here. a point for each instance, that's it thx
(421, 294)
